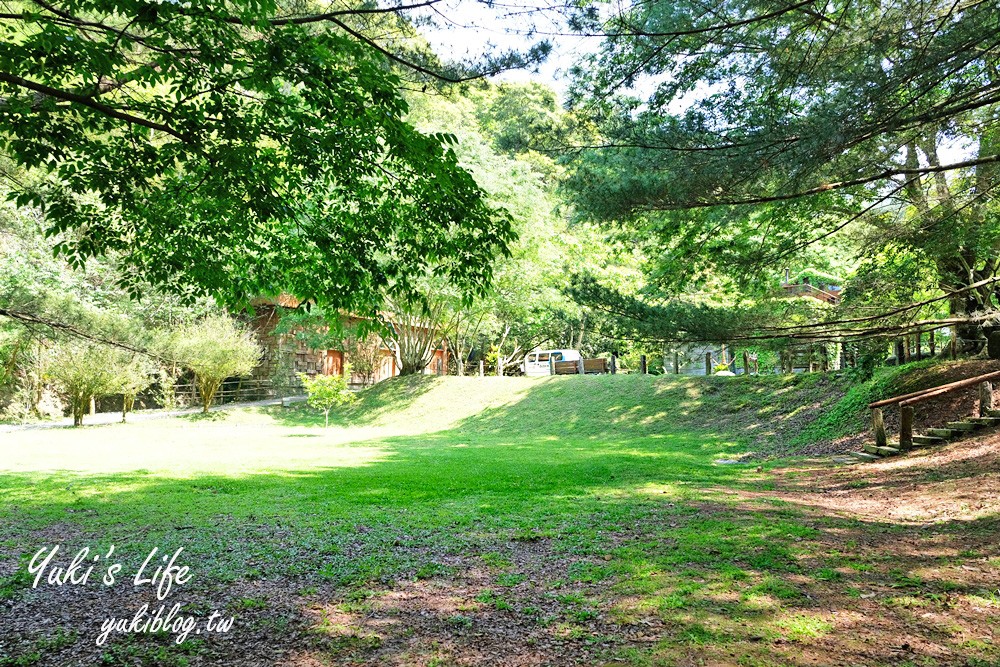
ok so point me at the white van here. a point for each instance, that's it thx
(537, 362)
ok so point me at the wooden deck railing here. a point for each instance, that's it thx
(805, 289)
(907, 401)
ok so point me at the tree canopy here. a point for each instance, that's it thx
(236, 149)
(736, 139)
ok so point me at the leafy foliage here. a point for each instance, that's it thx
(137, 375)
(768, 136)
(221, 149)
(87, 371)
(326, 392)
(214, 349)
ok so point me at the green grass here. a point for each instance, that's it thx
(609, 483)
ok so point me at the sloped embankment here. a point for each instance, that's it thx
(771, 415)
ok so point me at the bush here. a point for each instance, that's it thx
(135, 376)
(214, 349)
(328, 391)
(85, 372)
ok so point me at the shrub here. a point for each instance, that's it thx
(365, 353)
(214, 349)
(328, 391)
(85, 372)
(135, 376)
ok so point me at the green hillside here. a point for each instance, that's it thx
(768, 415)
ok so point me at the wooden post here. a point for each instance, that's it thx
(677, 363)
(579, 366)
(708, 363)
(552, 365)
(642, 364)
(985, 399)
(899, 352)
(482, 368)
(746, 362)
(920, 353)
(906, 427)
(614, 364)
(878, 425)
(931, 342)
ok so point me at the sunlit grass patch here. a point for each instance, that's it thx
(553, 519)
(984, 600)
(802, 627)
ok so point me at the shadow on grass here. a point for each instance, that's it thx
(376, 402)
(601, 579)
(615, 521)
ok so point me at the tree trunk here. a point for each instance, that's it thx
(78, 405)
(127, 403)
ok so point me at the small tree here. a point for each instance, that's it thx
(134, 377)
(215, 348)
(365, 353)
(85, 372)
(328, 391)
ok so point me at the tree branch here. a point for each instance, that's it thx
(839, 185)
(89, 102)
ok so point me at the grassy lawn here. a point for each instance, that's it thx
(494, 521)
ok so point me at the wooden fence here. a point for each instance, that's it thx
(598, 366)
(241, 391)
(186, 394)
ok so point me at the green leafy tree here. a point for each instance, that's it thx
(236, 149)
(365, 352)
(416, 328)
(214, 349)
(85, 372)
(500, 133)
(737, 139)
(326, 392)
(135, 376)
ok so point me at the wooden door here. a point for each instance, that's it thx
(334, 362)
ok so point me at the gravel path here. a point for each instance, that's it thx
(138, 415)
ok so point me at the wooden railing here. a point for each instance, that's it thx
(805, 289)
(581, 367)
(907, 401)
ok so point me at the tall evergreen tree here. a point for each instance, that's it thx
(766, 127)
